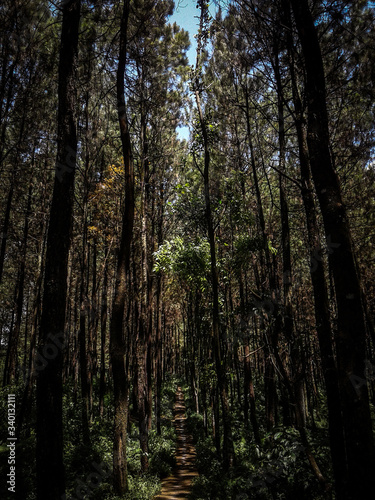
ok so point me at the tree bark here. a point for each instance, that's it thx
(144, 315)
(351, 335)
(4, 233)
(82, 335)
(103, 335)
(122, 284)
(159, 318)
(270, 374)
(228, 448)
(320, 290)
(34, 320)
(50, 467)
(10, 367)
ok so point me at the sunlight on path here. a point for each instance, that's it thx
(178, 485)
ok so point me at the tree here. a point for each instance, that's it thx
(50, 468)
(117, 334)
(320, 288)
(351, 336)
(228, 449)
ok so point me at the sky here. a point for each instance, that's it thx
(186, 15)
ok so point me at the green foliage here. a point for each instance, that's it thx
(142, 487)
(187, 261)
(271, 248)
(188, 204)
(277, 468)
(81, 457)
(245, 246)
(162, 460)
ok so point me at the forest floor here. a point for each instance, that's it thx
(178, 484)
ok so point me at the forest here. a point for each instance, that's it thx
(187, 249)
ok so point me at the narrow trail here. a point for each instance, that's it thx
(178, 485)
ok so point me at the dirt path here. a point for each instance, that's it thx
(178, 485)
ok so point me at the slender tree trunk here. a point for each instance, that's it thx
(228, 448)
(295, 364)
(35, 318)
(5, 228)
(83, 356)
(141, 380)
(93, 321)
(103, 335)
(250, 393)
(159, 356)
(10, 369)
(50, 466)
(117, 334)
(150, 316)
(144, 316)
(321, 301)
(351, 335)
(159, 318)
(270, 374)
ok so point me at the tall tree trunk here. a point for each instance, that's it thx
(351, 335)
(34, 320)
(50, 466)
(93, 326)
(10, 368)
(159, 318)
(320, 289)
(5, 228)
(250, 393)
(295, 364)
(150, 315)
(103, 335)
(270, 374)
(144, 316)
(117, 334)
(158, 360)
(228, 448)
(141, 380)
(82, 335)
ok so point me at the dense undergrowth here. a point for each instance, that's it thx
(88, 466)
(277, 469)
